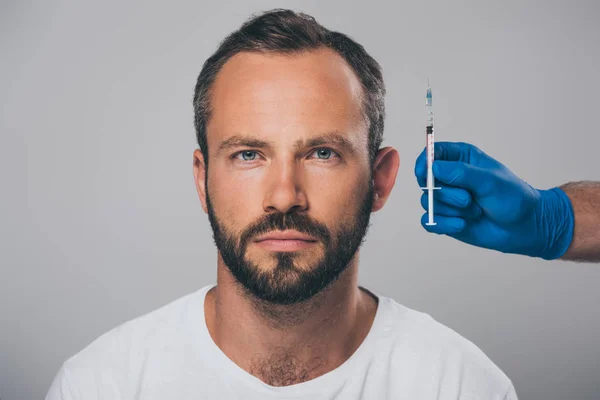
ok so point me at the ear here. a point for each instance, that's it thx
(200, 177)
(385, 169)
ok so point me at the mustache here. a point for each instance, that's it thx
(284, 221)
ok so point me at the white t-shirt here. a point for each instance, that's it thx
(169, 354)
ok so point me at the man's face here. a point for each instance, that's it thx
(287, 156)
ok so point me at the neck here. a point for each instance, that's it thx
(288, 344)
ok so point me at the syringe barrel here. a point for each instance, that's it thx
(429, 111)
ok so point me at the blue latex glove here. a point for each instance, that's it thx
(484, 204)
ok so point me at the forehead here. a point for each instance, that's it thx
(278, 96)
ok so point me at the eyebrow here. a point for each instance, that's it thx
(334, 138)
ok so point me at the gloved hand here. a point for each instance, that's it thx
(484, 204)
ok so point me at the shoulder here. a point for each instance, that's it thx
(141, 332)
(435, 350)
(114, 358)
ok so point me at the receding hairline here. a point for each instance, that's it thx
(296, 53)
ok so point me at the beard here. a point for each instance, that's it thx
(286, 283)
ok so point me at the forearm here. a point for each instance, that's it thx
(585, 198)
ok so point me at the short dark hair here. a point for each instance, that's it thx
(288, 32)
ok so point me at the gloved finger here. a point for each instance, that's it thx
(446, 151)
(479, 181)
(453, 196)
(456, 151)
(444, 225)
(473, 211)
(421, 168)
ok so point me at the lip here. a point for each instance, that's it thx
(284, 241)
(286, 235)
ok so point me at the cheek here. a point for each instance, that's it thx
(334, 201)
(236, 199)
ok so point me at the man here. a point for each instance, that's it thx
(289, 120)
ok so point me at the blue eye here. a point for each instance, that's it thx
(325, 153)
(248, 155)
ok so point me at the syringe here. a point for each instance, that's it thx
(430, 154)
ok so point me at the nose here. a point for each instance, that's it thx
(284, 189)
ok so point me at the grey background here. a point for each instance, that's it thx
(100, 219)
